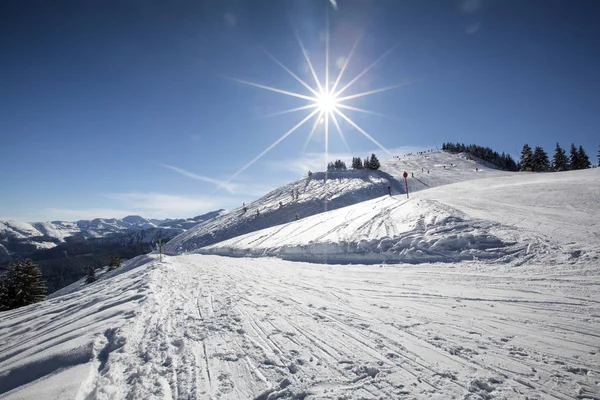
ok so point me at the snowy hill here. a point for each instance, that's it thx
(438, 168)
(488, 219)
(314, 197)
(344, 188)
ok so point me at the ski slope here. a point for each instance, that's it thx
(340, 189)
(210, 327)
(279, 207)
(514, 219)
(444, 169)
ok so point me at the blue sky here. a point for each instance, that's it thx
(114, 108)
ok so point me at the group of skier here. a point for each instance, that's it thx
(295, 193)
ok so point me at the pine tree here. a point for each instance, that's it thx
(583, 158)
(574, 160)
(511, 164)
(539, 160)
(366, 163)
(526, 156)
(21, 285)
(91, 275)
(114, 262)
(5, 296)
(374, 162)
(560, 162)
(357, 163)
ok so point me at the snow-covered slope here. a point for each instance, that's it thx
(210, 327)
(341, 189)
(315, 195)
(503, 219)
(438, 168)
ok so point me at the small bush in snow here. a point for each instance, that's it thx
(91, 275)
(114, 262)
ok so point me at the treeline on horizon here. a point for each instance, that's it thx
(502, 161)
(535, 160)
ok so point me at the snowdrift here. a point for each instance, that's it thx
(62, 341)
(388, 230)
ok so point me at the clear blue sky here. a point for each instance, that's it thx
(115, 107)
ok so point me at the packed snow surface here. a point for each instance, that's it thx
(211, 327)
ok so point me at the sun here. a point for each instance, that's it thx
(324, 100)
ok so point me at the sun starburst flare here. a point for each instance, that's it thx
(324, 100)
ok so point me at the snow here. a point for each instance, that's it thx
(56, 230)
(476, 289)
(18, 230)
(341, 189)
(197, 326)
(387, 229)
(500, 219)
(21, 239)
(444, 168)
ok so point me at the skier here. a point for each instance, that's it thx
(297, 217)
(412, 174)
(390, 190)
(427, 171)
(280, 204)
(257, 213)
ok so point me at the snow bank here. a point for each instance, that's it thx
(387, 229)
(60, 342)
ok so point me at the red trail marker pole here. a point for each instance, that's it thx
(405, 175)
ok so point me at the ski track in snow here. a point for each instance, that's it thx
(211, 327)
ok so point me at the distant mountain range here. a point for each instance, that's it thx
(22, 239)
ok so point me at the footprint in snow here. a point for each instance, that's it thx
(226, 385)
